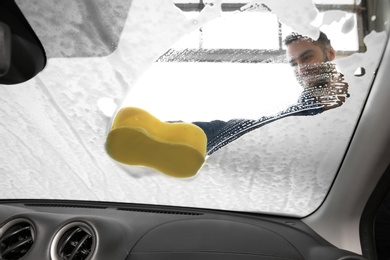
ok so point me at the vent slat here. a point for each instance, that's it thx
(67, 239)
(17, 240)
(77, 248)
(15, 232)
(76, 242)
(16, 246)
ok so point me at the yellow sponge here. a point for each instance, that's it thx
(139, 138)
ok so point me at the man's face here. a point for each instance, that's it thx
(306, 58)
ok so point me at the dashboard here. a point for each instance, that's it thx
(47, 229)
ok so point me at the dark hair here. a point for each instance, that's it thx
(323, 40)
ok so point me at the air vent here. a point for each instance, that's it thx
(75, 241)
(16, 239)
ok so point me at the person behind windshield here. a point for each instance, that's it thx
(323, 89)
(304, 54)
(137, 134)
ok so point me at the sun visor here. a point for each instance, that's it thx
(22, 54)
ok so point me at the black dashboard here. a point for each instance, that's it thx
(46, 229)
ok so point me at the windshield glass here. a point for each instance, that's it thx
(277, 96)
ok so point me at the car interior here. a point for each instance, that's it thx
(312, 184)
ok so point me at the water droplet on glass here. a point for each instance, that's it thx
(360, 71)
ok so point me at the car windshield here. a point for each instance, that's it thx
(287, 119)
